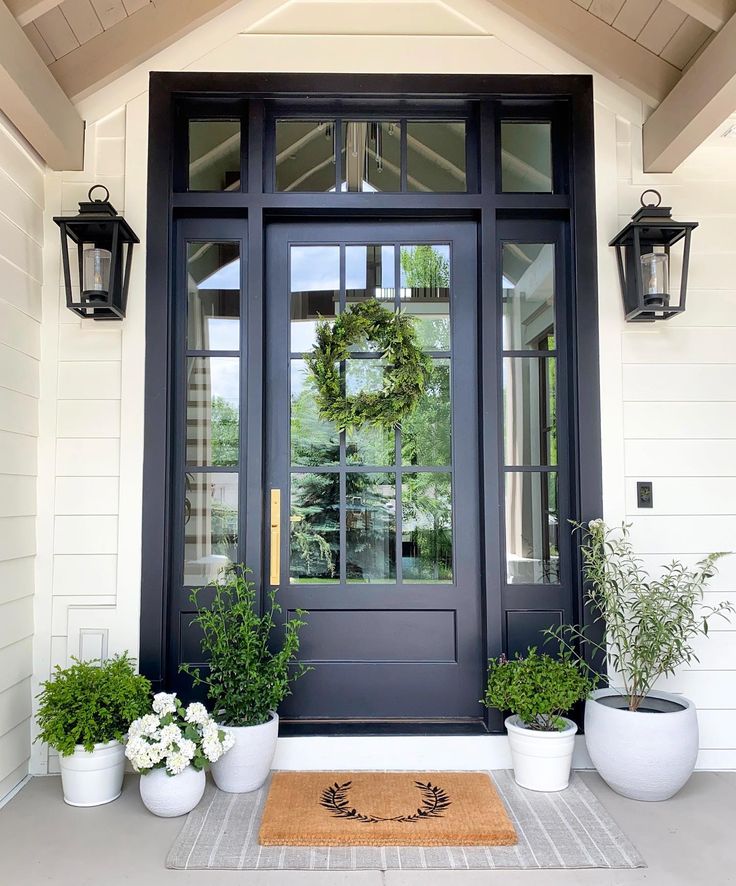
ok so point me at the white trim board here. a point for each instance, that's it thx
(403, 752)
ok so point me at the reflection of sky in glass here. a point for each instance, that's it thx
(315, 268)
(225, 379)
(356, 262)
(226, 277)
(222, 333)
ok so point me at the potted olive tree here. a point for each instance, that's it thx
(538, 690)
(643, 741)
(250, 674)
(84, 712)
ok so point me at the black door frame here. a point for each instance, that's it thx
(568, 99)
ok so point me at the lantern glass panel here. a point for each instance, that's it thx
(655, 276)
(96, 282)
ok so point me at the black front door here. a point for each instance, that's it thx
(376, 533)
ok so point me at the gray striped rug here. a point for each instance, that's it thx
(569, 829)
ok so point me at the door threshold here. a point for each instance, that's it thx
(298, 728)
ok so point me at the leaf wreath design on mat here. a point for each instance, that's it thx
(434, 803)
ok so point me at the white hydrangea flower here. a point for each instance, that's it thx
(196, 713)
(164, 703)
(210, 729)
(188, 748)
(176, 763)
(228, 741)
(170, 734)
(213, 749)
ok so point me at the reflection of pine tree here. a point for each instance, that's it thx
(315, 534)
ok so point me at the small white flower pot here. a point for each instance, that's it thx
(246, 765)
(171, 795)
(644, 754)
(541, 760)
(93, 778)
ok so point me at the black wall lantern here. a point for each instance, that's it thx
(104, 243)
(643, 253)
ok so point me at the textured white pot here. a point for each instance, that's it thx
(644, 756)
(541, 760)
(93, 778)
(171, 795)
(246, 765)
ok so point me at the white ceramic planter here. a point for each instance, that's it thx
(93, 778)
(644, 756)
(541, 760)
(171, 795)
(246, 765)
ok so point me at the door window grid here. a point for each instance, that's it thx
(529, 377)
(407, 477)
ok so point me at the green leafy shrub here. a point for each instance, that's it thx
(248, 676)
(648, 624)
(91, 702)
(537, 688)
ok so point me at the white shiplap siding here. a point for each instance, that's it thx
(21, 263)
(679, 417)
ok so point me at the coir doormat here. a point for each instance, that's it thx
(384, 809)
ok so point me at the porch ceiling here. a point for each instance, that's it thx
(678, 55)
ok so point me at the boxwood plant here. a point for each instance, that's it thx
(537, 688)
(91, 702)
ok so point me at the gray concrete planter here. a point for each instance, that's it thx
(647, 754)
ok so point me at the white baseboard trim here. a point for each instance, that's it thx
(407, 752)
(16, 790)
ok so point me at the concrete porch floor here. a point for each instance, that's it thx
(687, 840)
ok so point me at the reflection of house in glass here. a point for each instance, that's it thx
(530, 422)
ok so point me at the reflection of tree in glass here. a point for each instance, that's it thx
(425, 433)
(424, 266)
(370, 523)
(224, 429)
(224, 529)
(425, 280)
(313, 441)
(315, 522)
(427, 533)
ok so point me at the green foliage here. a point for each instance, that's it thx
(248, 674)
(405, 376)
(91, 702)
(537, 688)
(649, 624)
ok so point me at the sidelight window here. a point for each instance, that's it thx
(530, 413)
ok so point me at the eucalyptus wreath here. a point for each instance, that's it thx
(405, 376)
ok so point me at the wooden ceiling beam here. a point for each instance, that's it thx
(704, 98)
(34, 101)
(27, 11)
(130, 42)
(712, 13)
(596, 43)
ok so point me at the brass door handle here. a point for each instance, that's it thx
(275, 554)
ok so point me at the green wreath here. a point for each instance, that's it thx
(404, 380)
